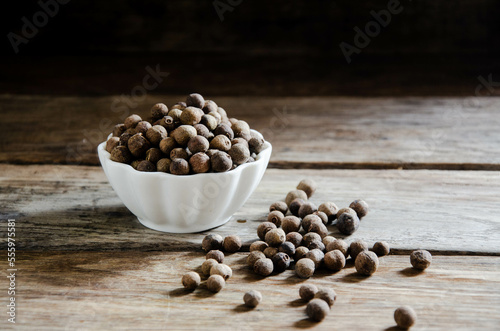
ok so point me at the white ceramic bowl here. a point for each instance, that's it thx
(183, 204)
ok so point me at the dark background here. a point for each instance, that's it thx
(260, 48)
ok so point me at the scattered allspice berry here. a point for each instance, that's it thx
(254, 256)
(207, 265)
(334, 260)
(328, 295)
(215, 283)
(295, 194)
(179, 167)
(269, 252)
(275, 237)
(339, 244)
(300, 252)
(263, 267)
(330, 209)
(221, 162)
(275, 217)
(420, 259)
(191, 280)
(307, 185)
(348, 223)
(215, 254)
(360, 207)
(328, 239)
(405, 317)
(304, 268)
(317, 256)
(346, 210)
(295, 206)
(307, 292)
(281, 261)
(295, 238)
(212, 242)
(280, 206)
(291, 224)
(258, 245)
(356, 247)
(252, 298)
(264, 228)
(287, 248)
(317, 310)
(221, 269)
(381, 248)
(366, 263)
(232, 243)
(195, 100)
(307, 208)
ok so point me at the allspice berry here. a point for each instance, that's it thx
(275, 217)
(263, 267)
(142, 127)
(254, 256)
(258, 245)
(275, 237)
(328, 295)
(295, 238)
(222, 113)
(346, 210)
(287, 248)
(307, 292)
(405, 317)
(121, 154)
(154, 155)
(339, 244)
(215, 254)
(328, 239)
(175, 114)
(158, 111)
(183, 134)
(256, 145)
(155, 134)
(309, 237)
(316, 244)
(317, 310)
(281, 261)
(330, 209)
(264, 228)
(381, 248)
(217, 116)
(191, 116)
(269, 252)
(167, 122)
(252, 298)
(348, 223)
(317, 256)
(322, 215)
(221, 162)
(240, 127)
(131, 121)
(223, 270)
(200, 163)
(118, 130)
(146, 166)
(195, 100)
(290, 224)
(215, 283)
(356, 247)
(360, 207)
(179, 153)
(207, 265)
(239, 154)
(300, 252)
(232, 243)
(295, 206)
(209, 121)
(295, 194)
(307, 185)
(167, 145)
(191, 280)
(307, 208)
(225, 130)
(319, 228)
(420, 259)
(239, 141)
(212, 242)
(179, 167)
(138, 145)
(112, 143)
(163, 165)
(334, 260)
(220, 142)
(366, 263)
(203, 131)
(280, 206)
(304, 268)
(198, 144)
(209, 106)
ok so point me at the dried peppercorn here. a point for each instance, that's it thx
(252, 298)
(195, 100)
(295, 206)
(221, 162)
(179, 167)
(279, 205)
(308, 220)
(269, 252)
(281, 261)
(321, 215)
(356, 247)
(191, 280)
(339, 244)
(366, 263)
(232, 243)
(121, 154)
(207, 265)
(118, 130)
(275, 237)
(158, 111)
(290, 224)
(154, 155)
(295, 194)
(275, 217)
(239, 153)
(295, 238)
(163, 165)
(328, 295)
(146, 166)
(317, 256)
(348, 223)
(198, 144)
(212, 242)
(309, 237)
(225, 130)
(307, 292)
(200, 163)
(191, 116)
(287, 248)
(420, 259)
(131, 121)
(405, 317)
(300, 252)
(142, 127)
(215, 254)
(209, 106)
(138, 145)
(316, 244)
(263, 267)
(319, 228)
(334, 260)
(307, 185)
(167, 145)
(264, 228)
(304, 268)
(183, 133)
(307, 208)
(346, 210)
(360, 207)
(258, 246)
(381, 248)
(328, 239)
(223, 270)
(215, 283)
(254, 256)
(179, 153)
(330, 209)
(112, 143)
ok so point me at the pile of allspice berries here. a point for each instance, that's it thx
(195, 136)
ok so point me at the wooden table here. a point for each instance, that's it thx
(428, 166)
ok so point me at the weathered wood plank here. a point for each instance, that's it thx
(142, 290)
(317, 132)
(74, 208)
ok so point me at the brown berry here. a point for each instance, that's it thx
(118, 130)
(405, 317)
(225, 130)
(112, 143)
(264, 228)
(146, 166)
(317, 310)
(269, 252)
(121, 154)
(215, 254)
(195, 100)
(304, 268)
(131, 121)
(210, 122)
(223, 270)
(163, 165)
(175, 114)
(339, 244)
(307, 292)
(328, 239)
(381, 248)
(360, 207)
(275, 217)
(155, 134)
(232, 243)
(198, 144)
(179, 153)
(328, 295)
(207, 265)
(307, 185)
(295, 206)
(275, 237)
(420, 259)
(191, 116)
(215, 283)
(346, 210)
(348, 223)
(179, 167)
(295, 238)
(292, 195)
(281, 261)
(366, 263)
(290, 224)
(317, 256)
(287, 248)
(307, 208)
(154, 155)
(200, 163)
(191, 280)
(254, 256)
(279, 205)
(183, 134)
(334, 260)
(212, 242)
(158, 111)
(142, 127)
(356, 247)
(221, 162)
(330, 209)
(220, 142)
(258, 246)
(300, 252)
(138, 145)
(252, 298)
(209, 106)
(239, 154)
(263, 267)
(167, 145)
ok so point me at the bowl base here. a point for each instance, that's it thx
(175, 229)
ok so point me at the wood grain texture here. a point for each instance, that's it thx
(142, 291)
(316, 132)
(74, 208)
